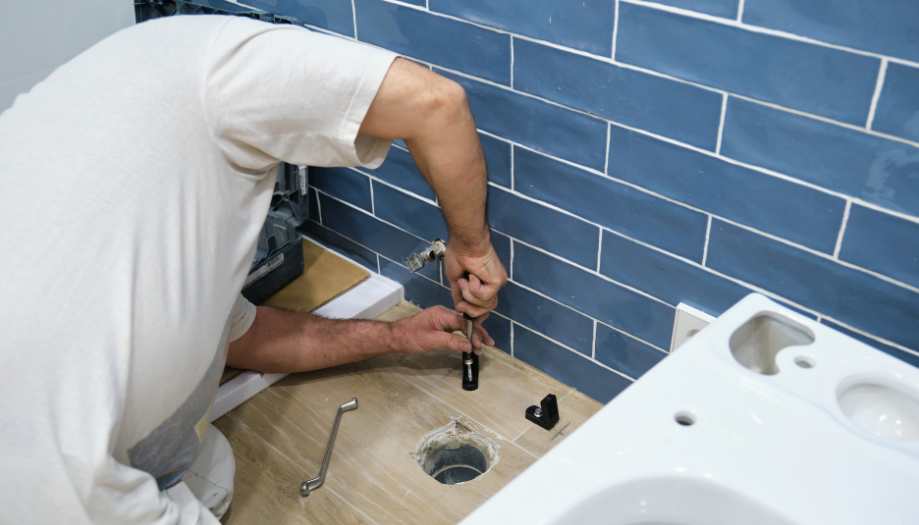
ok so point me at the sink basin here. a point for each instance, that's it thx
(765, 417)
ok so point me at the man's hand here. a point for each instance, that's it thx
(432, 329)
(476, 275)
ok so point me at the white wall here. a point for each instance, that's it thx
(36, 36)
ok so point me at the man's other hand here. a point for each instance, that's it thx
(476, 275)
(432, 329)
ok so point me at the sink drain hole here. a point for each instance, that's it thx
(456, 454)
(685, 419)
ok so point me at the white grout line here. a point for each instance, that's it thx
(397, 188)
(510, 271)
(741, 4)
(874, 337)
(511, 350)
(842, 229)
(354, 18)
(512, 61)
(572, 350)
(634, 337)
(615, 29)
(593, 341)
(373, 200)
(708, 235)
(756, 29)
(724, 112)
(318, 205)
(599, 248)
(513, 168)
(379, 269)
(606, 152)
(878, 87)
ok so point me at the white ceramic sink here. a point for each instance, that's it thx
(764, 418)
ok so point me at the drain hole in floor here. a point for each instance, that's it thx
(456, 454)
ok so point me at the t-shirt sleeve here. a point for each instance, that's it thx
(285, 93)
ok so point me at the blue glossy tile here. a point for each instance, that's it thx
(596, 297)
(333, 15)
(629, 356)
(665, 277)
(409, 213)
(837, 158)
(418, 290)
(552, 319)
(767, 203)
(614, 205)
(448, 43)
(681, 111)
(536, 124)
(887, 27)
(567, 366)
(399, 169)
(850, 296)
(585, 25)
(372, 233)
(497, 160)
(898, 108)
(499, 329)
(722, 8)
(535, 224)
(803, 76)
(340, 244)
(346, 184)
(883, 243)
(912, 359)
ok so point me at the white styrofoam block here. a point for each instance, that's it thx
(365, 301)
(686, 323)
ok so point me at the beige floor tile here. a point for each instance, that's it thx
(574, 409)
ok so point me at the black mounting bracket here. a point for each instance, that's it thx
(546, 414)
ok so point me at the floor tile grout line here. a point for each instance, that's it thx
(876, 96)
(842, 230)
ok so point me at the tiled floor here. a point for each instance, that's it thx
(279, 436)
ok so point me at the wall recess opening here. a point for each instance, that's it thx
(756, 343)
(456, 454)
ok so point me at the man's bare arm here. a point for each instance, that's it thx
(431, 114)
(282, 341)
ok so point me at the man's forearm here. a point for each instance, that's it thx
(281, 341)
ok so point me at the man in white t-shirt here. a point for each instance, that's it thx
(134, 181)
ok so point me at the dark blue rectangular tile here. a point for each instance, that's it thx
(499, 329)
(400, 169)
(535, 224)
(372, 233)
(313, 197)
(346, 184)
(612, 204)
(627, 355)
(803, 76)
(448, 43)
(594, 296)
(851, 296)
(767, 203)
(665, 277)
(536, 124)
(585, 25)
(566, 366)
(887, 27)
(333, 15)
(340, 243)
(897, 111)
(497, 160)
(409, 213)
(418, 290)
(722, 8)
(552, 319)
(841, 159)
(883, 243)
(909, 358)
(681, 111)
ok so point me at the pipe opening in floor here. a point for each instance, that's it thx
(456, 454)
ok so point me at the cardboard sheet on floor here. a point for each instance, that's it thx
(325, 277)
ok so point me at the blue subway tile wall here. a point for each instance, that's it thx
(643, 154)
(898, 107)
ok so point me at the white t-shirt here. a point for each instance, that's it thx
(133, 184)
